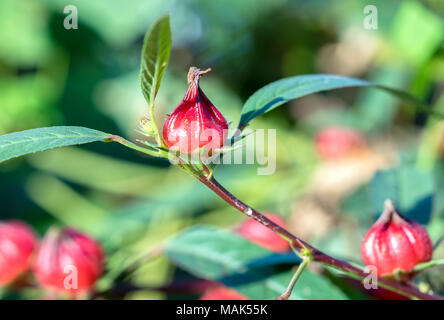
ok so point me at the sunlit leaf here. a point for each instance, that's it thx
(33, 140)
(279, 92)
(155, 55)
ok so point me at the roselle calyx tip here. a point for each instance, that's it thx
(389, 205)
(195, 124)
(389, 212)
(194, 75)
(395, 243)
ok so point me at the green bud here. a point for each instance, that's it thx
(146, 127)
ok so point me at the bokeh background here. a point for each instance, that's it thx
(133, 203)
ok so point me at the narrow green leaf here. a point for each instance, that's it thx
(155, 55)
(217, 254)
(29, 141)
(279, 92)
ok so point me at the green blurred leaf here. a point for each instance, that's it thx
(428, 150)
(385, 185)
(217, 254)
(110, 174)
(375, 109)
(155, 55)
(411, 189)
(116, 22)
(25, 36)
(310, 286)
(438, 175)
(414, 21)
(33, 140)
(29, 100)
(359, 206)
(213, 252)
(277, 93)
(65, 203)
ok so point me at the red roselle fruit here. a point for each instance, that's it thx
(195, 123)
(223, 293)
(334, 142)
(17, 244)
(68, 262)
(262, 236)
(395, 243)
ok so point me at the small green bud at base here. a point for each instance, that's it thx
(146, 127)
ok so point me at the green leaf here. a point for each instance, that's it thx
(309, 286)
(155, 55)
(217, 254)
(414, 21)
(213, 252)
(411, 189)
(279, 92)
(29, 141)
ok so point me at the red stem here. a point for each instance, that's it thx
(300, 244)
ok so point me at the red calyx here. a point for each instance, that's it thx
(262, 236)
(196, 122)
(223, 293)
(68, 262)
(335, 142)
(17, 244)
(395, 243)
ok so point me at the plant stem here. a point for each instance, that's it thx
(430, 264)
(301, 267)
(301, 245)
(129, 144)
(158, 137)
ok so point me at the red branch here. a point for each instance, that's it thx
(300, 244)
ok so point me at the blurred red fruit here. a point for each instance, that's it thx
(262, 236)
(334, 142)
(395, 243)
(196, 122)
(68, 261)
(223, 293)
(17, 244)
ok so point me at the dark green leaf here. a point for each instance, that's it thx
(310, 286)
(359, 206)
(284, 90)
(438, 176)
(29, 141)
(411, 189)
(212, 252)
(385, 185)
(220, 255)
(155, 55)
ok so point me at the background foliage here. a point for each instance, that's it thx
(134, 204)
